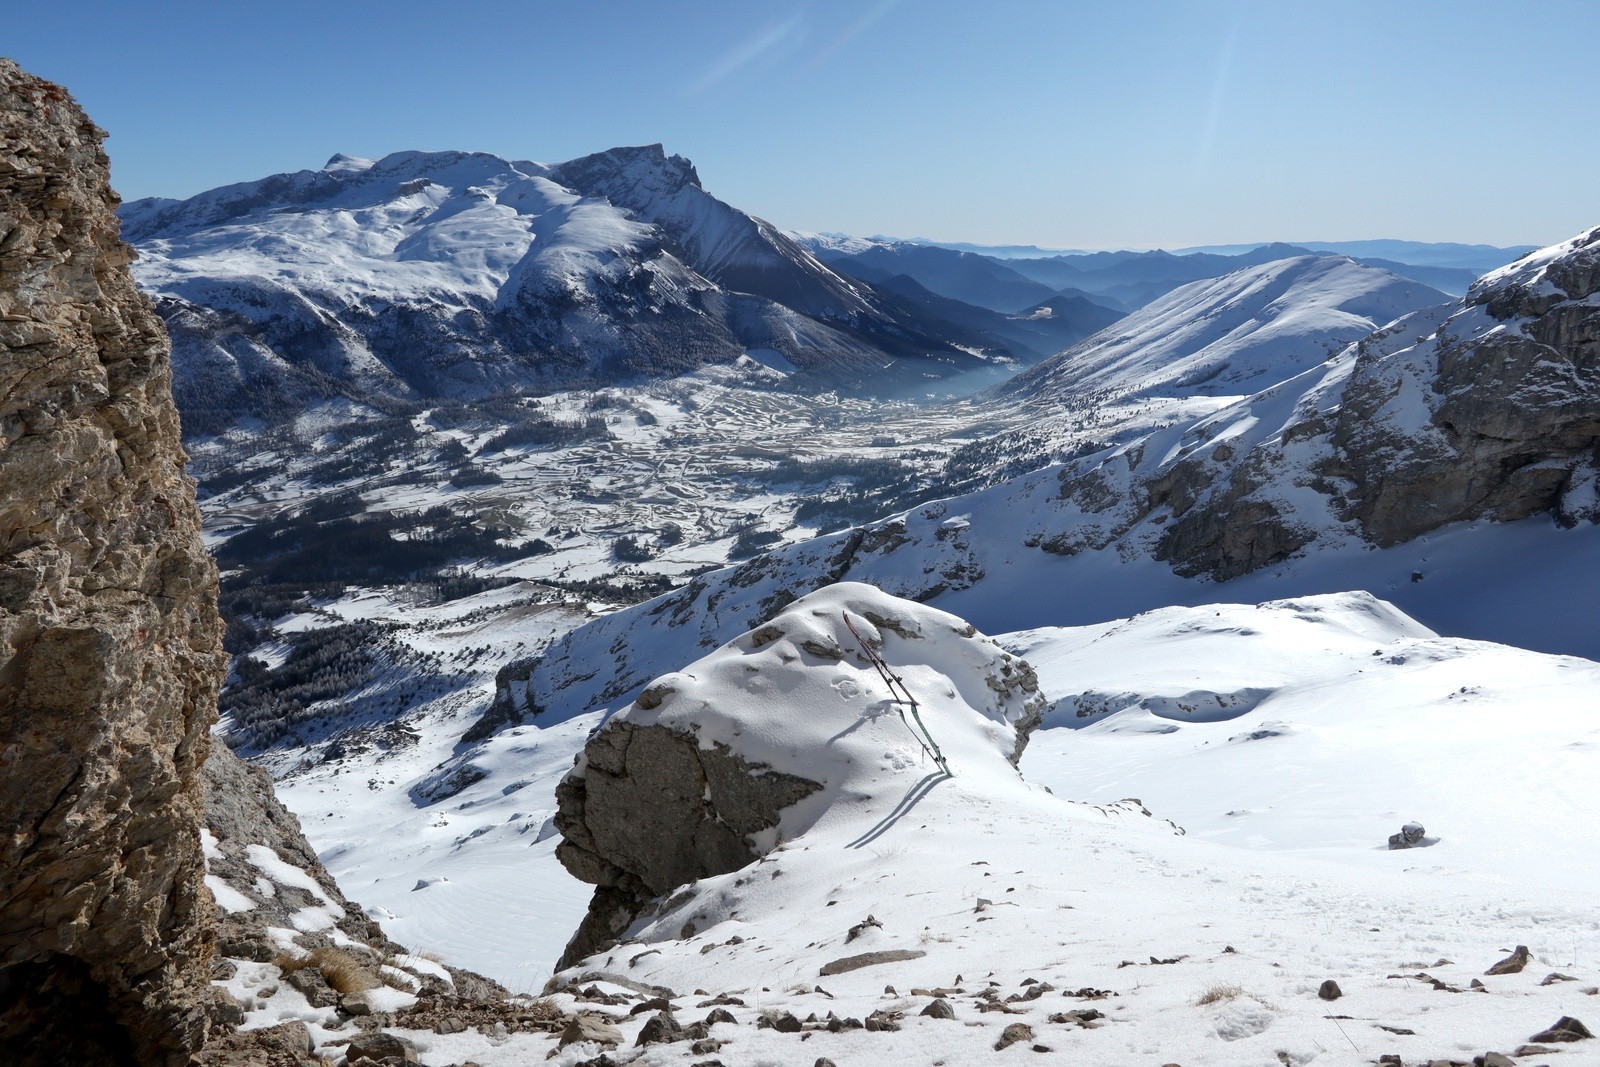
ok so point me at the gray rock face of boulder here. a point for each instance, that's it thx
(110, 646)
(650, 811)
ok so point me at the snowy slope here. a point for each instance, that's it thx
(1339, 718)
(1232, 335)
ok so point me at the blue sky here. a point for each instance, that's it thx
(1108, 124)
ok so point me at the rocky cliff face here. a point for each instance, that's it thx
(110, 653)
(1487, 409)
(1510, 386)
(651, 811)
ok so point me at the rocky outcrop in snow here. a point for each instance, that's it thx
(1497, 413)
(265, 874)
(1485, 409)
(715, 765)
(652, 811)
(110, 646)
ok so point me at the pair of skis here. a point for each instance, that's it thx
(900, 696)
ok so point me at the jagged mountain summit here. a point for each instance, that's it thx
(453, 274)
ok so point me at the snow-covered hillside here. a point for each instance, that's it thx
(1232, 335)
(1288, 739)
(1440, 462)
(453, 274)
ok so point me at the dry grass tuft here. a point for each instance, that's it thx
(342, 971)
(1218, 993)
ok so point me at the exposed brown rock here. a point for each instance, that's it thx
(1565, 1029)
(1011, 1035)
(110, 653)
(242, 813)
(870, 959)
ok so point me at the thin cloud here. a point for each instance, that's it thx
(851, 32)
(767, 41)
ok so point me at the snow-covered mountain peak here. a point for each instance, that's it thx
(625, 174)
(1235, 334)
(343, 163)
(453, 274)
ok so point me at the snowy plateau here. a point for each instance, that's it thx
(529, 480)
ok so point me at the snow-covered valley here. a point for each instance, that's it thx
(436, 608)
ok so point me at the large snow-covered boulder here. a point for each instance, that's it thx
(712, 766)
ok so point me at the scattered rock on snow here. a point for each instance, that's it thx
(1012, 1034)
(660, 1028)
(1411, 835)
(1513, 963)
(870, 959)
(590, 1028)
(1566, 1029)
(380, 1047)
(939, 1009)
(862, 927)
(1330, 990)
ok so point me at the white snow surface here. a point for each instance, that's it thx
(1235, 334)
(1289, 739)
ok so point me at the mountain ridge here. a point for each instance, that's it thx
(456, 274)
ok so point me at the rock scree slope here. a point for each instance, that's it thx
(110, 646)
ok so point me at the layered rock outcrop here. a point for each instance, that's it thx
(1485, 409)
(1510, 389)
(110, 647)
(252, 836)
